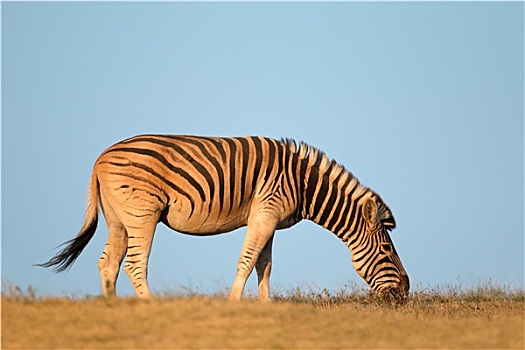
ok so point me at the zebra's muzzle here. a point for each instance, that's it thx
(399, 293)
(396, 295)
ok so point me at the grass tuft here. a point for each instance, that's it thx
(445, 300)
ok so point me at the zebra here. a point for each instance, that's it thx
(202, 185)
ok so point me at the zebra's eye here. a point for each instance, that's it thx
(386, 247)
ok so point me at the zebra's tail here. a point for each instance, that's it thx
(67, 256)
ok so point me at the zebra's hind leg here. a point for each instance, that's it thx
(264, 268)
(109, 262)
(136, 265)
(260, 229)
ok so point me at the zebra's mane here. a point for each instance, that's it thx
(317, 158)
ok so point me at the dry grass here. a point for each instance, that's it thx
(486, 317)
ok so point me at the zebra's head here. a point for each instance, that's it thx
(373, 255)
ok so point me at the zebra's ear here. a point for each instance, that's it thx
(370, 212)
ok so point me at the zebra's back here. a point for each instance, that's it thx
(199, 185)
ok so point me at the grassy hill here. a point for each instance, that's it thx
(487, 317)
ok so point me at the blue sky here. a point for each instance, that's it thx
(423, 102)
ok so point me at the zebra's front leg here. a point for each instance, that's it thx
(264, 268)
(260, 229)
(136, 265)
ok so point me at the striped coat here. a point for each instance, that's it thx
(208, 185)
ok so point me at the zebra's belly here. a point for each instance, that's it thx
(201, 223)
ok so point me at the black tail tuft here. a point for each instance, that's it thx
(67, 256)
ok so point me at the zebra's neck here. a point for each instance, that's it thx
(331, 197)
(330, 194)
